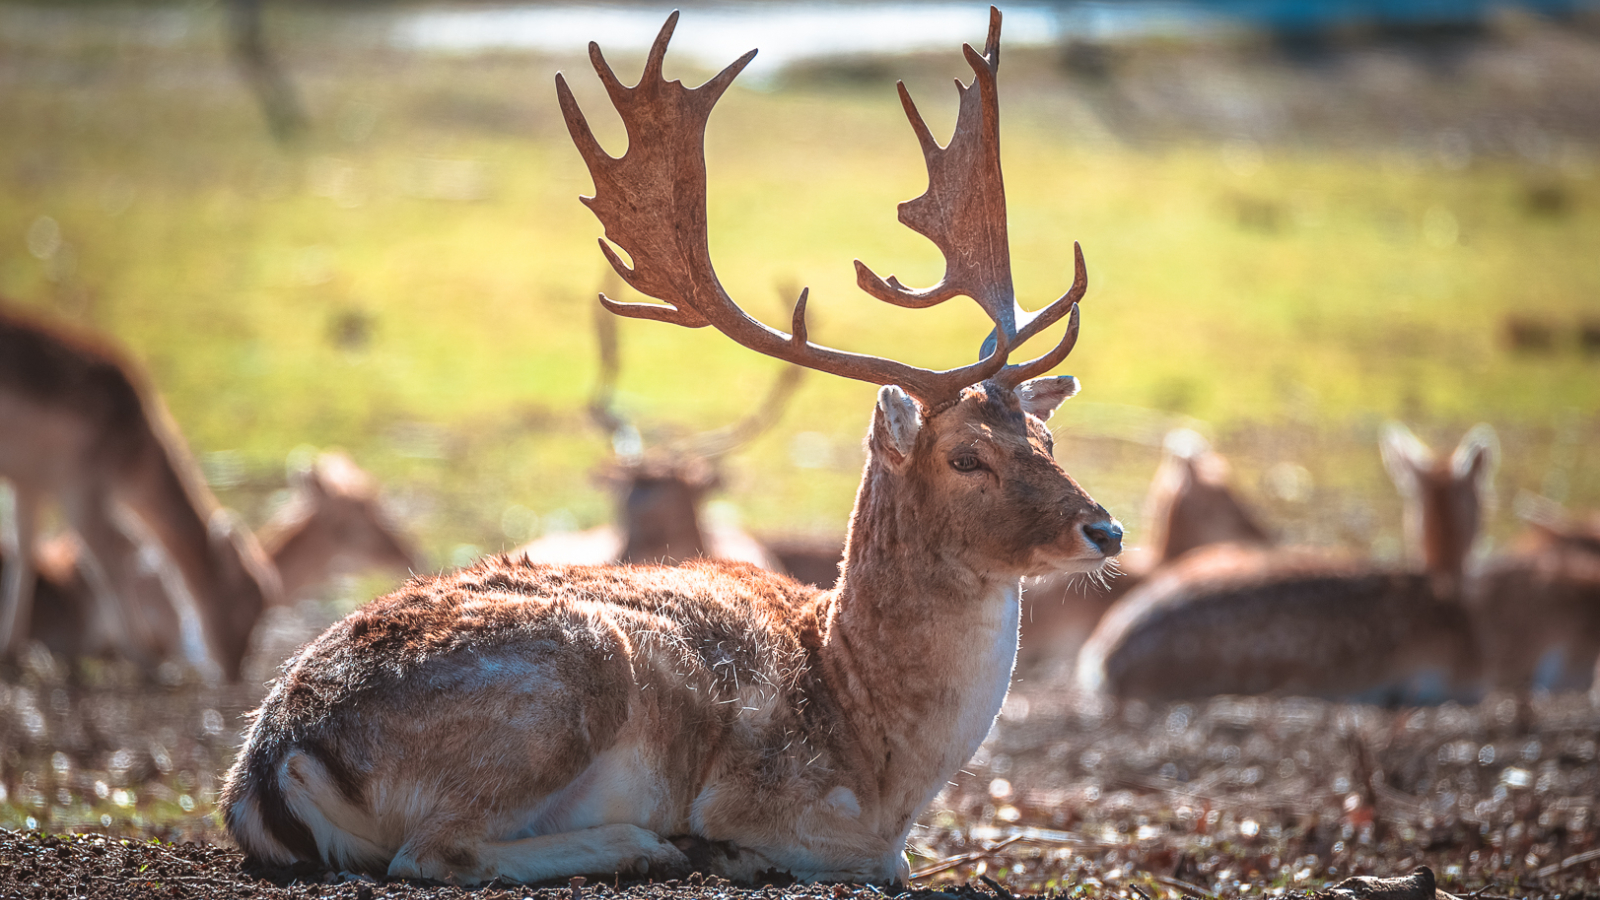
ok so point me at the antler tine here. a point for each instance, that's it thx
(1011, 376)
(963, 210)
(652, 202)
(1066, 303)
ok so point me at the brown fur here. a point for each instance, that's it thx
(757, 708)
(1539, 607)
(79, 423)
(1231, 619)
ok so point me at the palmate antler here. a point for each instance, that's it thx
(652, 202)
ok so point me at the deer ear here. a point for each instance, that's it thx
(1403, 456)
(895, 423)
(1476, 455)
(1041, 396)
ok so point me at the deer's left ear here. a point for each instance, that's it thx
(1041, 396)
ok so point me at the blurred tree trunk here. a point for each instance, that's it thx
(274, 92)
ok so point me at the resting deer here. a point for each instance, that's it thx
(529, 722)
(1539, 605)
(1227, 620)
(79, 424)
(661, 492)
(1190, 505)
(332, 524)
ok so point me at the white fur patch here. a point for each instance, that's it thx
(252, 834)
(844, 801)
(1041, 396)
(993, 672)
(346, 835)
(902, 417)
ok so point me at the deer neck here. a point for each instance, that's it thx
(920, 648)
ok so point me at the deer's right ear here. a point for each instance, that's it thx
(1476, 455)
(1041, 396)
(1404, 456)
(895, 423)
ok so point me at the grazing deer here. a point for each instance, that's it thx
(1228, 620)
(1190, 505)
(528, 722)
(80, 424)
(332, 524)
(1539, 606)
(660, 493)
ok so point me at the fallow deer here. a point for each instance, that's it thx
(333, 523)
(1191, 504)
(1538, 606)
(530, 722)
(1227, 620)
(80, 424)
(661, 491)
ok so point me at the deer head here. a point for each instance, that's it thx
(1444, 497)
(661, 489)
(1191, 504)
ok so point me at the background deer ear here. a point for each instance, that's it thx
(1041, 396)
(1404, 456)
(895, 423)
(1477, 454)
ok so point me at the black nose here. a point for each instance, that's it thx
(1106, 536)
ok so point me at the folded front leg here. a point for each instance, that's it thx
(625, 850)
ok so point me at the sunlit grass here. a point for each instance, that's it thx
(415, 283)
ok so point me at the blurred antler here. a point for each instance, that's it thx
(602, 402)
(711, 444)
(652, 202)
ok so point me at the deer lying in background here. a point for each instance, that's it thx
(332, 524)
(1190, 505)
(528, 722)
(1227, 620)
(80, 425)
(661, 493)
(1538, 606)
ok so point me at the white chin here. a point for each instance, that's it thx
(1068, 566)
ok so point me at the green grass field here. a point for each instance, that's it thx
(415, 282)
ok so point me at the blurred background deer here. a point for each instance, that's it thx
(1250, 620)
(661, 491)
(132, 596)
(1191, 504)
(80, 426)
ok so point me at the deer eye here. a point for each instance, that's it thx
(966, 463)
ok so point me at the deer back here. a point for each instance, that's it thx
(1539, 605)
(1251, 620)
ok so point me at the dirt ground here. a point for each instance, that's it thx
(1234, 797)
